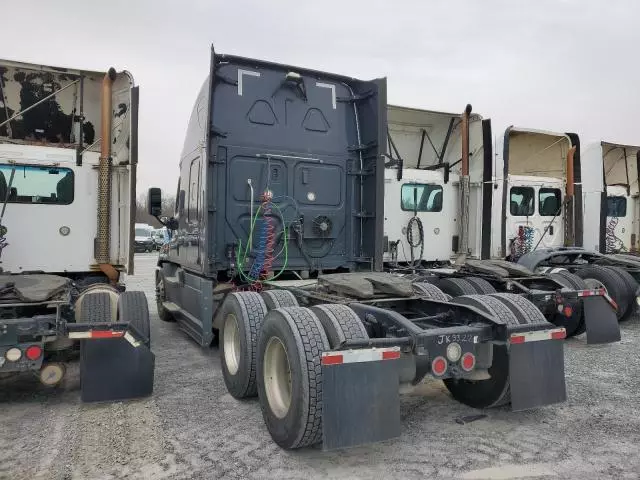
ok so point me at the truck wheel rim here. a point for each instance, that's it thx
(593, 283)
(231, 339)
(277, 377)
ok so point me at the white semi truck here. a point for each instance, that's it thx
(517, 202)
(68, 157)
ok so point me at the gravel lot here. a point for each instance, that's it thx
(191, 427)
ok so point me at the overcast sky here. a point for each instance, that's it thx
(562, 65)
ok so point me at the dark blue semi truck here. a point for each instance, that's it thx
(276, 251)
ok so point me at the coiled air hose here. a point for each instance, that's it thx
(613, 243)
(413, 244)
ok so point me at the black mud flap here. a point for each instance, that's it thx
(112, 370)
(536, 374)
(600, 321)
(361, 403)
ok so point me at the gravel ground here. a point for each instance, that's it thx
(191, 427)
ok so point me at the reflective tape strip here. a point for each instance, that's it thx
(555, 334)
(96, 334)
(597, 292)
(129, 338)
(359, 356)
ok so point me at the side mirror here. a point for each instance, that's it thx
(154, 202)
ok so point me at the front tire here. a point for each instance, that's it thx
(290, 376)
(161, 296)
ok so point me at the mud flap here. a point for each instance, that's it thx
(600, 320)
(361, 402)
(536, 374)
(112, 370)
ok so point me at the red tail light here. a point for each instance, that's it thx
(33, 352)
(439, 366)
(558, 334)
(468, 362)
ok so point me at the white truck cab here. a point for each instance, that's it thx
(530, 208)
(613, 221)
(422, 181)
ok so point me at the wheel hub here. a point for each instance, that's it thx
(277, 377)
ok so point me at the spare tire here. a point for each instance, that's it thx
(596, 275)
(456, 287)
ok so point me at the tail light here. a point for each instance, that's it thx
(468, 362)
(33, 352)
(13, 354)
(439, 366)
(454, 352)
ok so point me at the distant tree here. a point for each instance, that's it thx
(142, 216)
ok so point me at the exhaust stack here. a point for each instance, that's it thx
(569, 204)
(103, 244)
(464, 189)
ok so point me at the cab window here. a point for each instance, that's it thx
(549, 202)
(36, 184)
(616, 206)
(421, 197)
(522, 204)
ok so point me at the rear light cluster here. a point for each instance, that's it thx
(33, 352)
(440, 364)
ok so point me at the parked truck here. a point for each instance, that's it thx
(277, 250)
(601, 251)
(437, 236)
(68, 158)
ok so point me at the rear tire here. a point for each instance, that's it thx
(632, 287)
(495, 391)
(576, 324)
(612, 283)
(340, 323)
(133, 308)
(279, 298)
(242, 316)
(456, 287)
(524, 310)
(429, 291)
(97, 307)
(290, 376)
(481, 285)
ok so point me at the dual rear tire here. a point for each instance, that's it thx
(276, 354)
(272, 348)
